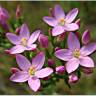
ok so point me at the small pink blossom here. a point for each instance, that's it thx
(75, 55)
(31, 72)
(60, 22)
(24, 41)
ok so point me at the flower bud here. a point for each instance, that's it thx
(86, 37)
(46, 78)
(87, 70)
(78, 22)
(4, 15)
(50, 62)
(61, 37)
(73, 78)
(60, 69)
(18, 12)
(51, 12)
(57, 48)
(43, 41)
(14, 70)
(17, 30)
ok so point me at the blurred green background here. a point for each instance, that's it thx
(33, 13)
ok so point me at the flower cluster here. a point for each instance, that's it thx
(63, 44)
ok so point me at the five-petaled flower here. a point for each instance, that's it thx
(31, 72)
(60, 22)
(74, 55)
(24, 41)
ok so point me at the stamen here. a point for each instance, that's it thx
(24, 41)
(76, 53)
(32, 70)
(62, 21)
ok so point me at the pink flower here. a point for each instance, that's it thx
(76, 56)
(31, 72)
(24, 41)
(60, 22)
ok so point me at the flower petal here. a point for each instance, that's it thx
(44, 72)
(24, 31)
(17, 49)
(72, 65)
(34, 83)
(59, 13)
(50, 21)
(63, 54)
(31, 47)
(13, 38)
(88, 49)
(57, 30)
(20, 76)
(86, 62)
(38, 61)
(71, 27)
(33, 37)
(23, 62)
(72, 15)
(73, 42)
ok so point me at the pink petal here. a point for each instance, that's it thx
(23, 62)
(17, 49)
(86, 37)
(44, 72)
(86, 62)
(72, 15)
(20, 76)
(33, 37)
(73, 42)
(34, 83)
(50, 21)
(88, 49)
(31, 47)
(72, 65)
(57, 30)
(63, 54)
(24, 31)
(59, 13)
(38, 61)
(13, 38)
(71, 27)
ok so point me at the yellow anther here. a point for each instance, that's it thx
(24, 41)
(32, 70)
(76, 53)
(62, 21)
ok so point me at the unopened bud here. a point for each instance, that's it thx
(86, 37)
(51, 12)
(60, 69)
(43, 41)
(73, 78)
(50, 62)
(18, 12)
(78, 22)
(87, 70)
(14, 70)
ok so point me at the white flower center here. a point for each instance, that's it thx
(24, 41)
(31, 70)
(76, 53)
(62, 21)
